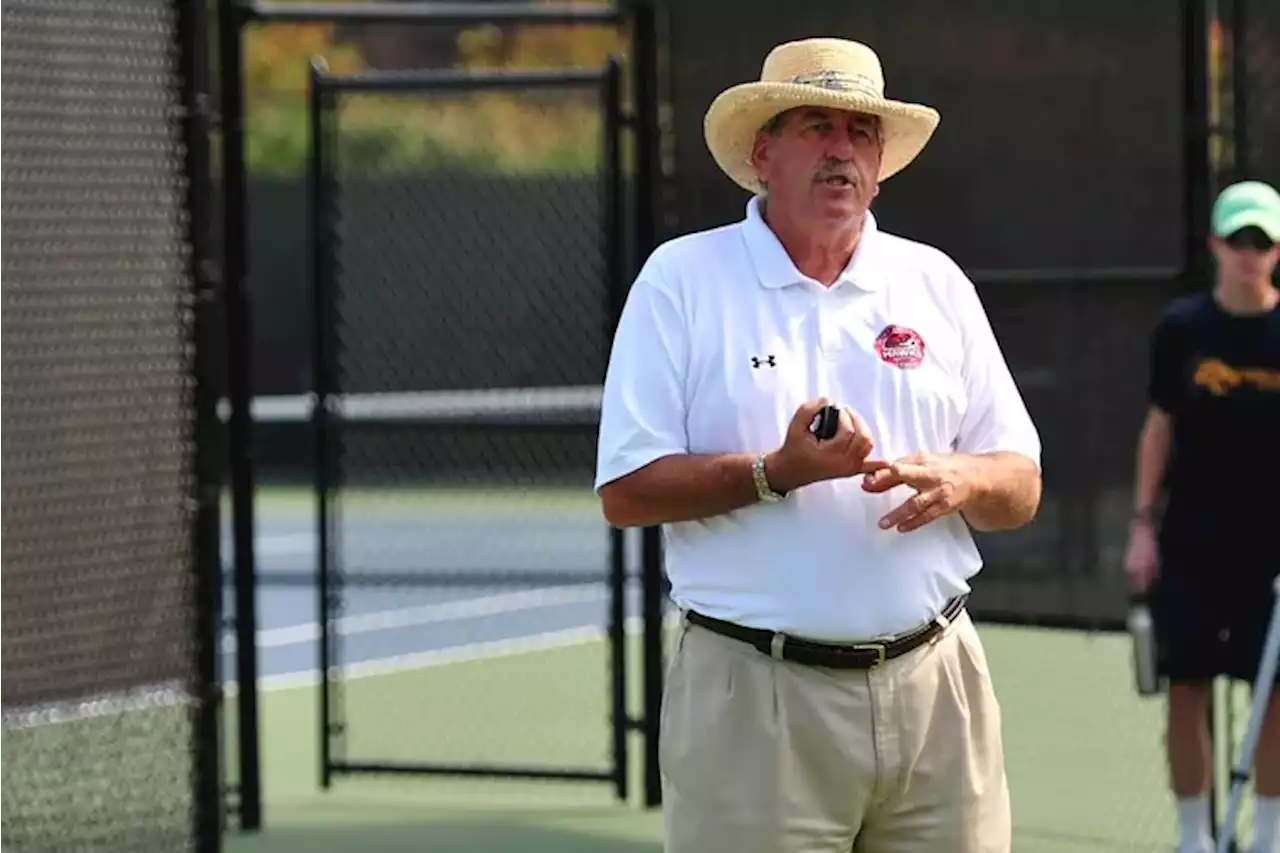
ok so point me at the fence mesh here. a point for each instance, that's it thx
(1261, 89)
(473, 266)
(1061, 123)
(99, 628)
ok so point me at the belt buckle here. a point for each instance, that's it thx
(879, 648)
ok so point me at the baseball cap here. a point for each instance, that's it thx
(1244, 204)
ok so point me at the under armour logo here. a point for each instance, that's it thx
(768, 360)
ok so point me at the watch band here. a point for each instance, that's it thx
(764, 491)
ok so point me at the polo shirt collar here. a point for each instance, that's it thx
(774, 267)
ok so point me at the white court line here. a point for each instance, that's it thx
(428, 614)
(285, 544)
(548, 641)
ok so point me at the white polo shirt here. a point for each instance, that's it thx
(722, 339)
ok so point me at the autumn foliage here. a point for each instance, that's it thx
(511, 132)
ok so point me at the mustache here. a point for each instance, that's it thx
(836, 168)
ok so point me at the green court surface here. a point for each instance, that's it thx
(461, 498)
(1083, 751)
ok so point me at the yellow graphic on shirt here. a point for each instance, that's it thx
(1219, 378)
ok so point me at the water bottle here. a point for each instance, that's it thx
(1142, 632)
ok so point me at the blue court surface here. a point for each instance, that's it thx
(421, 574)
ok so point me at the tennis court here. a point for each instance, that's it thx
(519, 675)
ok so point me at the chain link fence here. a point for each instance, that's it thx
(103, 685)
(465, 296)
(1060, 145)
(1260, 89)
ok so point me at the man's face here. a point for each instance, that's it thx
(822, 165)
(1247, 255)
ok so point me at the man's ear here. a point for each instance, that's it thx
(760, 154)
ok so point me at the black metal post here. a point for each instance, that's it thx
(615, 285)
(644, 58)
(193, 33)
(323, 387)
(239, 343)
(1199, 182)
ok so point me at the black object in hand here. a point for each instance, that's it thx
(825, 423)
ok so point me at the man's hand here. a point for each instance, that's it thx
(1142, 557)
(803, 459)
(942, 483)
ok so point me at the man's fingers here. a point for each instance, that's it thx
(882, 478)
(857, 423)
(897, 474)
(871, 467)
(808, 411)
(916, 511)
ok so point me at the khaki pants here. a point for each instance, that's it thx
(762, 755)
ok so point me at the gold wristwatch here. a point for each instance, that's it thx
(763, 490)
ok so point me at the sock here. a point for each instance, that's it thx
(1195, 829)
(1266, 824)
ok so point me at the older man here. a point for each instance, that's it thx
(828, 690)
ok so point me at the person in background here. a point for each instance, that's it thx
(1211, 443)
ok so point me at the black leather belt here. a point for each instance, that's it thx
(832, 655)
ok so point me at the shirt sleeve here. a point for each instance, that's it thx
(643, 409)
(1164, 371)
(996, 418)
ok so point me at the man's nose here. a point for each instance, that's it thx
(841, 145)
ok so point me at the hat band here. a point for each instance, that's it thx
(839, 81)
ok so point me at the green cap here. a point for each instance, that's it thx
(1244, 204)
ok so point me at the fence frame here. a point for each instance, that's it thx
(325, 89)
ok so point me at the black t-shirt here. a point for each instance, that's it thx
(1218, 375)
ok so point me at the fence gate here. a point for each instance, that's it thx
(467, 271)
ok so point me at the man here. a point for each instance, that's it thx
(828, 691)
(1212, 440)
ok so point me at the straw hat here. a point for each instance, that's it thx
(821, 72)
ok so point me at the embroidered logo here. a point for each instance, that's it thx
(758, 362)
(901, 347)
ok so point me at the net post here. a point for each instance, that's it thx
(193, 33)
(239, 342)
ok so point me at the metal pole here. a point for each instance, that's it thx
(644, 57)
(320, 297)
(239, 342)
(193, 33)
(616, 284)
(1198, 178)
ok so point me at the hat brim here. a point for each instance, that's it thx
(1269, 224)
(738, 113)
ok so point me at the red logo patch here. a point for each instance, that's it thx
(901, 347)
